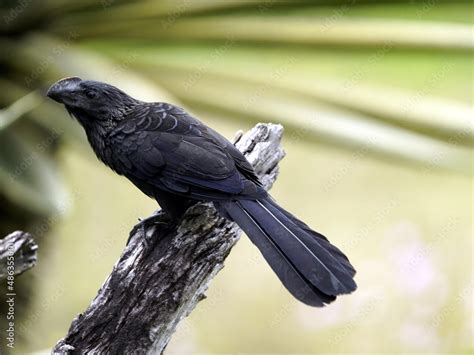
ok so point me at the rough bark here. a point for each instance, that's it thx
(165, 270)
(23, 248)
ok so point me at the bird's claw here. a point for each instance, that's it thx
(144, 223)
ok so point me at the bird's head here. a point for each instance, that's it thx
(91, 101)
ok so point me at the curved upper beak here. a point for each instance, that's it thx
(63, 90)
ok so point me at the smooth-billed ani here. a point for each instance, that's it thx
(174, 158)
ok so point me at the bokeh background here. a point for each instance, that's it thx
(376, 99)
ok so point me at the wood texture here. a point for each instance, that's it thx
(23, 248)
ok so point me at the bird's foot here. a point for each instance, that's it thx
(157, 218)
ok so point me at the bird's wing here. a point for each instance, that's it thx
(164, 146)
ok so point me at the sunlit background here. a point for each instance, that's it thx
(376, 100)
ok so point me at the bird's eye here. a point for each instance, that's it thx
(90, 94)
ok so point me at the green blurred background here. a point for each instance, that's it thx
(376, 99)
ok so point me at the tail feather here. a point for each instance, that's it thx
(341, 257)
(330, 254)
(312, 269)
(289, 275)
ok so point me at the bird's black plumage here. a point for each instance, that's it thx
(176, 159)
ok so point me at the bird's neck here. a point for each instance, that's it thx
(96, 130)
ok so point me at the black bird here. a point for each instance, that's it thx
(176, 159)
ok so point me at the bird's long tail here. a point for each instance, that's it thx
(310, 267)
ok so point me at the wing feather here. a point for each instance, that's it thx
(161, 145)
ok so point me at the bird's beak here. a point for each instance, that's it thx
(63, 91)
